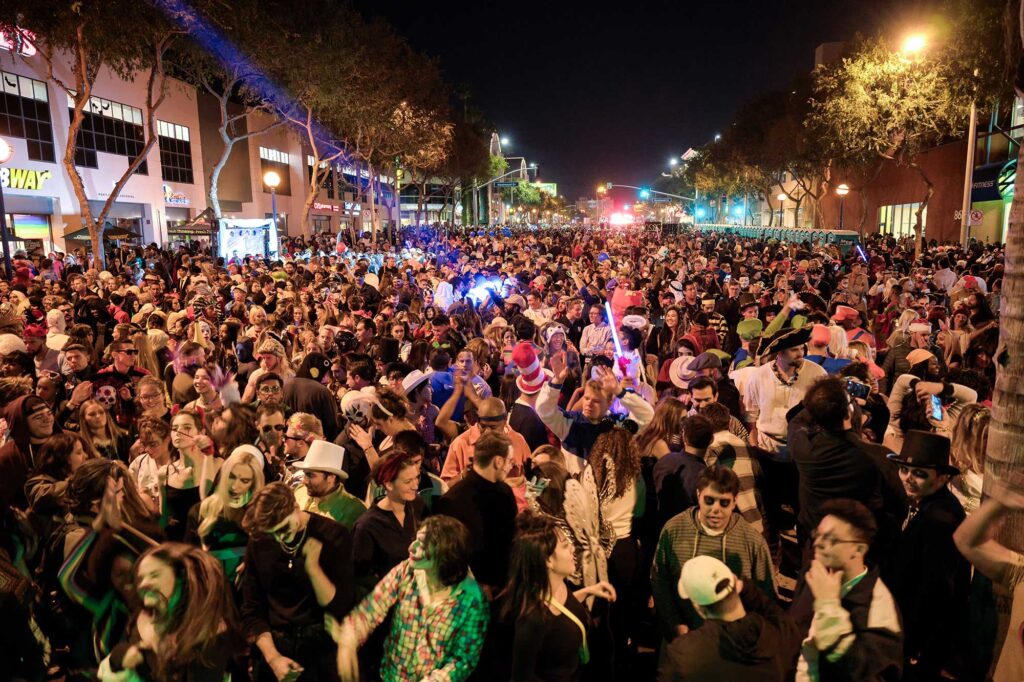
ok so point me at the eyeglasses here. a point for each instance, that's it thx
(270, 389)
(267, 428)
(291, 437)
(828, 542)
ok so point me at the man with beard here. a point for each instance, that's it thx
(776, 387)
(930, 579)
(271, 424)
(303, 429)
(854, 627)
(298, 570)
(322, 492)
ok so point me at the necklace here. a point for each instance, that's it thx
(292, 551)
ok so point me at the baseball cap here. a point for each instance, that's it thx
(705, 580)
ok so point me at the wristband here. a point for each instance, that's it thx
(554, 385)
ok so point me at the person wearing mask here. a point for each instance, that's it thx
(440, 613)
(298, 571)
(853, 626)
(272, 426)
(486, 505)
(745, 635)
(929, 578)
(710, 529)
(321, 491)
(553, 628)
(777, 386)
(30, 423)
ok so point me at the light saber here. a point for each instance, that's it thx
(863, 255)
(615, 329)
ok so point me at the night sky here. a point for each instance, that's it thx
(597, 94)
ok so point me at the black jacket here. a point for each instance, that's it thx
(488, 510)
(760, 647)
(930, 581)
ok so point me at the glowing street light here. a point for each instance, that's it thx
(842, 190)
(718, 136)
(505, 141)
(272, 180)
(673, 161)
(914, 43)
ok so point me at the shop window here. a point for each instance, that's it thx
(898, 220)
(111, 128)
(321, 223)
(277, 161)
(25, 113)
(175, 152)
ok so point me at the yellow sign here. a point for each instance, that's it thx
(23, 178)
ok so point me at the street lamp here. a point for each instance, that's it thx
(6, 152)
(504, 141)
(842, 190)
(673, 161)
(914, 43)
(271, 179)
(718, 136)
(782, 208)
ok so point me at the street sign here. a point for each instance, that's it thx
(608, 185)
(506, 184)
(661, 200)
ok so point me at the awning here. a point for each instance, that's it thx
(994, 181)
(111, 232)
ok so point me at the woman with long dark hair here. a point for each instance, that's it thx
(551, 622)
(186, 626)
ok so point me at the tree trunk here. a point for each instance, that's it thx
(919, 213)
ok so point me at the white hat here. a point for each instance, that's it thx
(638, 322)
(920, 327)
(11, 343)
(55, 321)
(414, 379)
(705, 580)
(252, 450)
(143, 313)
(679, 371)
(324, 456)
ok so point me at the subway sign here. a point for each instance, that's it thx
(23, 178)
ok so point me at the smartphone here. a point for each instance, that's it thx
(857, 389)
(936, 408)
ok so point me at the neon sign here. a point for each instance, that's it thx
(23, 178)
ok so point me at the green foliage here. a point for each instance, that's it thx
(497, 166)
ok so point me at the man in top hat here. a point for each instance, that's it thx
(776, 387)
(929, 578)
(523, 417)
(322, 492)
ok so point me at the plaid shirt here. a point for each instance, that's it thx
(431, 639)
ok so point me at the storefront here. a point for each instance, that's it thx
(991, 196)
(181, 232)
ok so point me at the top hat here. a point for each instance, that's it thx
(925, 450)
(324, 456)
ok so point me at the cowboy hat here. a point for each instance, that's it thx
(786, 338)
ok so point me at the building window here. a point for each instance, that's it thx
(25, 113)
(328, 182)
(111, 128)
(276, 160)
(282, 222)
(175, 152)
(898, 220)
(321, 223)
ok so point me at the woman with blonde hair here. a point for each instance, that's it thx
(969, 443)
(147, 356)
(216, 522)
(100, 432)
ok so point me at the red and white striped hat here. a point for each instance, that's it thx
(531, 375)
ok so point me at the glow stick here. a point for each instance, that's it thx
(862, 254)
(615, 329)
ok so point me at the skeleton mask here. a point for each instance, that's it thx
(107, 396)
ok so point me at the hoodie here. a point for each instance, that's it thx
(759, 647)
(17, 456)
(739, 547)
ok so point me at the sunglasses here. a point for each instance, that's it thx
(127, 351)
(273, 427)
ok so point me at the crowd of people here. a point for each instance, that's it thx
(505, 454)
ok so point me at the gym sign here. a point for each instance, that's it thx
(23, 178)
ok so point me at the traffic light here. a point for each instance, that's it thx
(608, 185)
(645, 193)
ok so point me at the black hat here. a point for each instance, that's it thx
(925, 450)
(747, 300)
(787, 337)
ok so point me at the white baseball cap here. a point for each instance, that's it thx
(705, 580)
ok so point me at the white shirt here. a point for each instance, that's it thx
(944, 279)
(768, 400)
(594, 337)
(444, 296)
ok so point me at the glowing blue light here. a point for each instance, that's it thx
(644, 193)
(863, 255)
(700, 212)
(738, 210)
(481, 293)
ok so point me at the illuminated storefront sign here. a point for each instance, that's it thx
(174, 198)
(23, 178)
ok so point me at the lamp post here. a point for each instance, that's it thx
(842, 190)
(6, 152)
(782, 208)
(271, 179)
(972, 141)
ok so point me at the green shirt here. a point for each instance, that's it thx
(339, 505)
